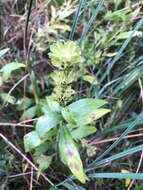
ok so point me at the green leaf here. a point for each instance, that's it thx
(116, 58)
(90, 79)
(8, 68)
(68, 116)
(47, 122)
(50, 105)
(83, 131)
(125, 35)
(35, 87)
(17, 15)
(44, 162)
(31, 140)
(75, 20)
(3, 51)
(11, 67)
(117, 3)
(10, 98)
(85, 110)
(24, 103)
(111, 54)
(86, 104)
(30, 113)
(6, 75)
(41, 149)
(53, 105)
(70, 155)
(91, 21)
(72, 186)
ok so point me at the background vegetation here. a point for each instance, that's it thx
(110, 35)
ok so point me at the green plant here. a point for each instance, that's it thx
(66, 57)
(106, 71)
(63, 124)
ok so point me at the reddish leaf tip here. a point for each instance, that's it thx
(92, 116)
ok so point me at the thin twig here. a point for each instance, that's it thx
(140, 84)
(29, 120)
(15, 124)
(17, 150)
(31, 179)
(18, 175)
(15, 85)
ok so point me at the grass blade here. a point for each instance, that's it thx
(91, 21)
(106, 85)
(138, 119)
(122, 49)
(27, 20)
(138, 176)
(116, 156)
(75, 20)
(73, 187)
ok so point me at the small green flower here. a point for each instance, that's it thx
(63, 77)
(65, 54)
(61, 93)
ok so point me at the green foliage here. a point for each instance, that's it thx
(75, 115)
(44, 162)
(50, 121)
(10, 99)
(8, 68)
(74, 80)
(83, 131)
(30, 113)
(85, 111)
(31, 140)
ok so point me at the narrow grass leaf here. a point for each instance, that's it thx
(73, 186)
(122, 49)
(27, 20)
(128, 80)
(91, 21)
(138, 176)
(107, 84)
(75, 20)
(116, 156)
(138, 119)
